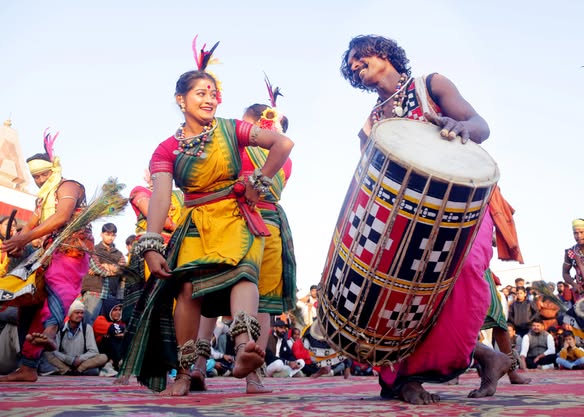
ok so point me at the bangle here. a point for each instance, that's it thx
(149, 241)
(259, 181)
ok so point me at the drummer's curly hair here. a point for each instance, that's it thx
(373, 45)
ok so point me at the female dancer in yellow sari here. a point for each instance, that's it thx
(213, 258)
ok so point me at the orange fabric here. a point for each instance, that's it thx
(505, 231)
(100, 328)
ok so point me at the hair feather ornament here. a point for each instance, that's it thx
(205, 58)
(273, 92)
(271, 118)
(49, 143)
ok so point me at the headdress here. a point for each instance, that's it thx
(46, 194)
(204, 58)
(577, 224)
(271, 118)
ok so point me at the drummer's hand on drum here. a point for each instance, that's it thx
(157, 264)
(450, 128)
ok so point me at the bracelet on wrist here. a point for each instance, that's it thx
(150, 241)
(260, 182)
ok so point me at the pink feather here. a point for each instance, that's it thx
(272, 92)
(49, 142)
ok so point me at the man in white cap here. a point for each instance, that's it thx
(77, 352)
(57, 203)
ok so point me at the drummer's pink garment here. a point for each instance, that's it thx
(447, 349)
(63, 283)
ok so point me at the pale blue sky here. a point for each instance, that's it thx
(103, 73)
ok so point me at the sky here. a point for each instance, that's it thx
(103, 74)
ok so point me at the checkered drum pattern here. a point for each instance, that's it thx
(397, 248)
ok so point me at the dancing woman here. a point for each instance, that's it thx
(213, 257)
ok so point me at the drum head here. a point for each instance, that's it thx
(419, 145)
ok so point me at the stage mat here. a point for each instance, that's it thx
(551, 393)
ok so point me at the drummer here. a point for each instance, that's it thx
(57, 202)
(377, 64)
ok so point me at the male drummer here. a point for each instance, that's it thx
(378, 64)
(58, 199)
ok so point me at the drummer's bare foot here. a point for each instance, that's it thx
(122, 380)
(48, 343)
(22, 374)
(180, 387)
(516, 378)
(494, 365)
(453, 381)
(254, 384)
(414, 393)
(248, 357)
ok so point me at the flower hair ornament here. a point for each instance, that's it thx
(204, 58)
(271, 118)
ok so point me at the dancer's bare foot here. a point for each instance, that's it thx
(322, 371)
(198, 380)
(180, 387)
(122, 380)
(516, 378)
(414, 393)
(347, 373)
(46, 341)
(22, 374)
(494, 365)
(247, 359)
(254, 384)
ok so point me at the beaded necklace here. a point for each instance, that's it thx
(194, 145)
(398, 97)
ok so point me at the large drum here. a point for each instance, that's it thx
(410, 215)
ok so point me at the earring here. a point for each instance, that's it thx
(182, 106)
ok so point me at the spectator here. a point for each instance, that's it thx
(547, 309)
(300, 351)
(522, 312)
(565, 294)
(9, 344)
(515, 340)
(308, 305)
(109, 332)
(103, 279)
(571, 356)
(77, 352)
(537, 347)
(129, 244)
(280, 360)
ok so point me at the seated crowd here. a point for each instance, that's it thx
(540, 337)
(90, 342)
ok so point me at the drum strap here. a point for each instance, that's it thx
(422, 92)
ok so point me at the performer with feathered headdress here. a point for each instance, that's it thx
(58, 202)
(212, 262)
(277, 279)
